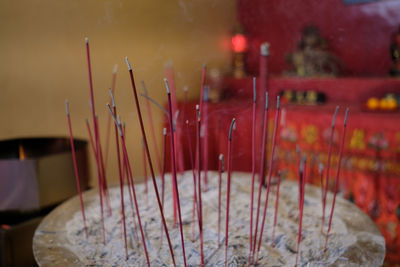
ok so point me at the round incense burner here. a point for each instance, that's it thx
(354, 239)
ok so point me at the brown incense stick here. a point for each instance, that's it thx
(328, 164)
(261, 174)
(78, 185)
(121, 178)
(269, 174)
(126, 158)
(149, 158)
(199, 206)
(174, 169)
(253, 165)
(337, 176)
(220, 172)
(228, 190)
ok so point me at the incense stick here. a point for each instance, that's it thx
(78, 185)
(121, 178)
(264, 136)
(99, 178)
(205, 136)
(146, 189)
(328, 164)
(203, 82)
(220, 172)
(321, 174)
(90, 137)
(253, 165)
(337, 176)
(174, 170)
(301, 204)
(126, 158)
(228, 190)
(113, 81)
(149, 158)
(276, 206)
(194, 178)
(269, 175)
(199, 206)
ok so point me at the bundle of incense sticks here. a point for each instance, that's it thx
(201, 155)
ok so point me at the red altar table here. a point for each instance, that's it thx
(370, 171)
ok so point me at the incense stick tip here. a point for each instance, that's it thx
(128, 64)
(346, 116)
(321, 167)
(115, 69)
(86, 120)
(67, 107)
(167, 85)
(254, 89)
(165, 131)
(278, 102)
(264, 49)
(86, 40)
(221, 157)
(204, 65)
(334, 116)
(206, 91)
(112, 98)
(231, 128)
(185, 88)
(197, 107)
(266, 100)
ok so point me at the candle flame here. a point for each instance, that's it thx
(21, 152)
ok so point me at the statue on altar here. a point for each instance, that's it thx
(395, 53)
(311, 57)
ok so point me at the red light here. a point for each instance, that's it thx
(239, 43)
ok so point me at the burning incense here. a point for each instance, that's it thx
(276, 206)
(199, 204)
(125, 152)
(301, 204)
(174, 169)
(99, 174)
(253, 164)
(194, 177)
(149, 158)
(121, 178)
(228, 190)
(264, 136)
(113, 80)
(71, 139)
(337, 176)
(220, 172)
(269, 174)
(328, 164)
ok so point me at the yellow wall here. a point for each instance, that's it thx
(43, 60)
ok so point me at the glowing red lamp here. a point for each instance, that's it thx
(239, 43)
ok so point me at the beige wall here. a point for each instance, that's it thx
(43, 59)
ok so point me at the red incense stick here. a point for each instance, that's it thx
(321, 174)
(228, 190)
(164, 166)
(174, 169)
(194, 177)
(113, 81)
(149, 158)
(220, 172)
(146, 189)
(121, 178)
(328, 164)
(276, 206)
(261, 174)
(206, 91)
(301, 204)
(253, 164)
(78, 185)
(90, 137)
(126, 158)
(269, 174)
(337, 177)
(153, 135)
(99, 177)
(199, 206)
